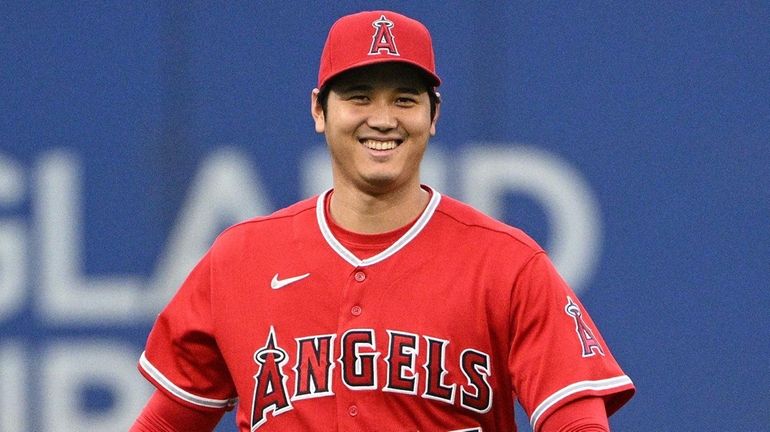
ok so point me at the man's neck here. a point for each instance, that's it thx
(360, 212)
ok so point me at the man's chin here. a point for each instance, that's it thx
(380, 183)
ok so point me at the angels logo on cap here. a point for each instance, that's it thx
(351, 43)
(383, 39)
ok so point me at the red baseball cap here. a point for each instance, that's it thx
(371, 37)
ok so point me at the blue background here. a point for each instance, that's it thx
(663, 109)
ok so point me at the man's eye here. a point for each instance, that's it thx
(406, 101)
(357, 97)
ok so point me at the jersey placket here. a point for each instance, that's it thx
(358, 351)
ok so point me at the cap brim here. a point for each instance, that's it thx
(432, 78)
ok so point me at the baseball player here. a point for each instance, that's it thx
(381, 304)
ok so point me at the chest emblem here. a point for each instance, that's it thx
(277, 283)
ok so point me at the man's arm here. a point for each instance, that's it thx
(163, 414)
(581, 415)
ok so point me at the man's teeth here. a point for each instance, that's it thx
(380, 145)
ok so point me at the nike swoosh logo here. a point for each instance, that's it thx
(280, 283)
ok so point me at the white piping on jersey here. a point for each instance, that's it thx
(179, 392)
(577, 387)
(392, 249)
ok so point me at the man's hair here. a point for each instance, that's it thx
(323, 97)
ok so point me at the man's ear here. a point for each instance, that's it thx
(434, 120)
(316, 110)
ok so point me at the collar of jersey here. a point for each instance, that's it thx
(348, 256)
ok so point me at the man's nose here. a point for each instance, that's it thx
(382, 117)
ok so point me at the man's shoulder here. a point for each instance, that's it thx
(481, 224)
(275, 222)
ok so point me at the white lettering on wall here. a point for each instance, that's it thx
(225, 190)
(67, 369)
(572, 210)
(14, 388)
(69, 296)
(13, 241)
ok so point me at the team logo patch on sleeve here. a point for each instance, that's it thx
(588, 342)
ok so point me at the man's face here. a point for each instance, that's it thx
(377, 126)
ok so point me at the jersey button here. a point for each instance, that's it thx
(353, 410)
(356, 310)
(359, 276)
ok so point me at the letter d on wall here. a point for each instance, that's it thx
(573, 212)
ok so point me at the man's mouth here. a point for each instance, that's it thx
(380, 145)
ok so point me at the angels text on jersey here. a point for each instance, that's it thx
(356, 353)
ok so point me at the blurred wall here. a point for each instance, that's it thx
(631, 140)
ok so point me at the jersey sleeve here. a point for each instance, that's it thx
(557, 353)
(181, 357)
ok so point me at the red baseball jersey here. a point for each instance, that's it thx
(441, 329)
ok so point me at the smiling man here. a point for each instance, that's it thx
(379, 305)
(377, 120)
